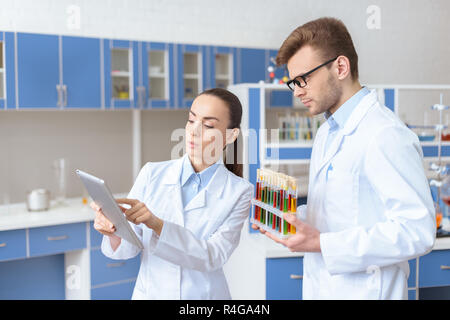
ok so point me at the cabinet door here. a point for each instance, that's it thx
(81, 72)
(37, 70)
(434, 269)
(105, 270)
(158, 75)
(278, 98)
(191, 73)
(119, 291)
(57, 239)
(222, 67)
(253, 67)
(7, 71)
(121, 73)
(13, 244)
(284, 278)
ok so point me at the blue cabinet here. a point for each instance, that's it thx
(8, 74)
(157, 83)
(58, 71)
(434, 269)
(119, 291)
(110, 279)
(81, 80)
(13, 244)
(120, 65)
(253, 65)
(105, 270)
(38, 70)
(284, 278)
(223, 62)
(192, 72)
(57, 239)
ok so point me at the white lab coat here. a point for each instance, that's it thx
(185, 261)
(374, 213)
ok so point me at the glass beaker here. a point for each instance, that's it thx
(59, 167)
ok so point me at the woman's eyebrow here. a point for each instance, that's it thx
(205, 118)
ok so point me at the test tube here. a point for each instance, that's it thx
(294, 203)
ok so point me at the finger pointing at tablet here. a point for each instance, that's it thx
(139, 213)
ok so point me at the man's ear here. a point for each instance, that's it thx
(232, 135)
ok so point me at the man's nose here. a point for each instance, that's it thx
(299, 92)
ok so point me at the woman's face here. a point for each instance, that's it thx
(206, 129)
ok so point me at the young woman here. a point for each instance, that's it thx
(188, 212)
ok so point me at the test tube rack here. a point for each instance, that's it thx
(275, 195)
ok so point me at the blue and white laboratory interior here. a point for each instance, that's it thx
(224, 150)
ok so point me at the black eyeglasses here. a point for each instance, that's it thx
(300, 81)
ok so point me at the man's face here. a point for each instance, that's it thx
(323, 90)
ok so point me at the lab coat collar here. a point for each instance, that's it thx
(356, 116)
(215, 186)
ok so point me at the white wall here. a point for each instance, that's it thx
(411, 45)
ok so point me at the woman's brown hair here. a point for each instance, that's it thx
(328, 35)
(235, 113)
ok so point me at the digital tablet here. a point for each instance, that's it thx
(101, 195)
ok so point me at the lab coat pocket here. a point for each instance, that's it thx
(341, 200)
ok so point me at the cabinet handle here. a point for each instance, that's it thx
(445, 267)
(296, 277)
(57, 238)
(2, 245)
(115, 265)
(64, 89)
(58, 91)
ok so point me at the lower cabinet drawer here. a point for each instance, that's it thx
(57, 239)
(13, 244)
(434, 269)
(106, 270)
(120, 291)
(284, 278)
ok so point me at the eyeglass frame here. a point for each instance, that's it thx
(303, 76)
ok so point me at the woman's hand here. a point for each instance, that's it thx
(105, 227)
(101, 223)
(139, 213)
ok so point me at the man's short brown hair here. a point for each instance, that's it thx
(328, 35)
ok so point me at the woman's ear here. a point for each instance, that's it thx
(232, 135)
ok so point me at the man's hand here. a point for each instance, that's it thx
(306, 239)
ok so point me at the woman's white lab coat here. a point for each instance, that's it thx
(369, 197)
(185, 261)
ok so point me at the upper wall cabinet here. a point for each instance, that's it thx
(253, 65)
(157, 75)
(7, 71)
(121, 65)
(61, 72)
(58, 71)
(192, 73)
(223, 62)
(81, 72)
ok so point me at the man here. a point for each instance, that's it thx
(369, 206)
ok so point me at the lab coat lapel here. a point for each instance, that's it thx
(352, 123)
(214, 187)
(172, 181)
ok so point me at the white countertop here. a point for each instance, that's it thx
(16, 216)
